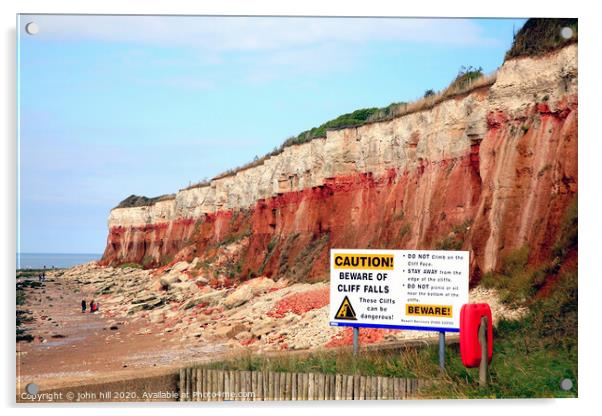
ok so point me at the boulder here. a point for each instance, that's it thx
(212, 298)
(106, 288)
(221, 331)
(156, 316)
(144, 297)
(243, 336)
(239, 297)
(192, 302)
(263, 328)
(179, 267)
(260, 285)
(236, 329)
(170, 279)
(202, 280)
(135, 308)
(190, 288)
(194, 263)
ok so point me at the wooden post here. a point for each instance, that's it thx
(282, 389)
(321, 386)
(188, 386)
(484, 366)
(221, 382)
(237, 388)
(272, 385)
(195, 387)
(349, 387)
(182, 383)
(288, 388)
(362, 395)
(294, 390)
(338, 387)
(306, 386)
(374, 388)
(232, 385)
(205, 384)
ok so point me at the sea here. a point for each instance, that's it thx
(56, 260)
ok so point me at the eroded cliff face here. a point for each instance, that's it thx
(489, 171)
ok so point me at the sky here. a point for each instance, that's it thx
(111, 106)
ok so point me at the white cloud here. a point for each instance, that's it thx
(254, 33)
(259, 49)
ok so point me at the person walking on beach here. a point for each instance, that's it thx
(83, 305)
(93, 306)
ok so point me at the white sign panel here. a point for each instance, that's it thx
(398, 289)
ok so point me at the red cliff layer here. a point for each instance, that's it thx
(508, 188)
(509, 191)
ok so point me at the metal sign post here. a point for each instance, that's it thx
(442, 350)
(356, 340)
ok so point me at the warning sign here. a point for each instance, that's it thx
(404, 289)
(346, 310)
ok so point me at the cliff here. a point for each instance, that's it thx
(489, 171)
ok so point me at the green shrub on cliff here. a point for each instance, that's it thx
(567, 238)
(133, 201)
(466, 76)
(540, 36)
(353, 119)
(515, 281)
(429, 93)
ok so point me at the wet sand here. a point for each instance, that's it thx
(72, 347)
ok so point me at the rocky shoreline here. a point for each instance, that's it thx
(171, 316)
(260, 314)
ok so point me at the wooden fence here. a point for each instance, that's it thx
(200, 384)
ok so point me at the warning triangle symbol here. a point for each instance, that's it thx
(346, 311)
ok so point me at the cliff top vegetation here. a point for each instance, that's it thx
(541, 36)
(133, 201)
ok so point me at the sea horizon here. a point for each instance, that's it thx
(53, 260)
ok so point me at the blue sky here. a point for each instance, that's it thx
(117, 105)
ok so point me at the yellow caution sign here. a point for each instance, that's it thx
(346, 311)
(441, 311)
(364, 261)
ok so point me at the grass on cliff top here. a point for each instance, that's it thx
(133, 201)
(541, 36)
(467, 79)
